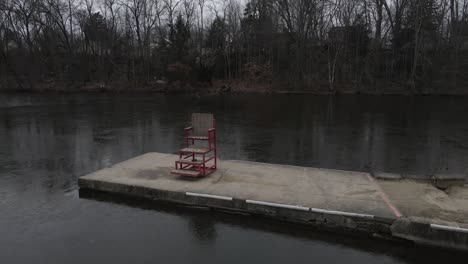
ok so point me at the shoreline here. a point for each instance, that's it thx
(218, 87)
(215, 92)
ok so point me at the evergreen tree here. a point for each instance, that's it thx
(179, 37)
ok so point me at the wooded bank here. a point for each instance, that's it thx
(349, 46)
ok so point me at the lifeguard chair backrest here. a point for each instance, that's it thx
(201, 122)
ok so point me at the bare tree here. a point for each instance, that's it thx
(354, 43)
(171, 7)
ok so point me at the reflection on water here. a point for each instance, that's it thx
(203, 229)
(77, 134)
(47, 141)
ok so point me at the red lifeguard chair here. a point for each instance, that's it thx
(195, 160)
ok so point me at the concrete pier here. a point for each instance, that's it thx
(332, 199)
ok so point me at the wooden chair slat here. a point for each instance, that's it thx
(201, 122)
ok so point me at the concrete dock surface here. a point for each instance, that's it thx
(341, 200)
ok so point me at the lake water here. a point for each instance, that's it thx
(48, 141)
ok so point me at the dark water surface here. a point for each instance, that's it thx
(48, 141)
